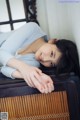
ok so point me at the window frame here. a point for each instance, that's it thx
(30, 13)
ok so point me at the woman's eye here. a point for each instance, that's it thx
(51, 53)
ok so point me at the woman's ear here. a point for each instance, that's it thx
(52, 41)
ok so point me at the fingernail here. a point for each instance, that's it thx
(42, 90)
(46, 91)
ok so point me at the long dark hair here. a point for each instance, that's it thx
(69, 61)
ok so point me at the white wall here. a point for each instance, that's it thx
(42, 15)
(61, 19)
(75, 15)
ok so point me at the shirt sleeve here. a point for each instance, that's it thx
(15, 40)
(7, 71)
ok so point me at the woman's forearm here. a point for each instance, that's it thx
(15, 63)
(32, 75)
(17, 74)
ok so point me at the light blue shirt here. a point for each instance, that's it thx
(12, 42)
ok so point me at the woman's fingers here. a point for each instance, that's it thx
(35, 78)
(28, 81)
(38, 71)
(41, 82)
(48, 82)
(50, 87)
(47, 78)
(37, 84)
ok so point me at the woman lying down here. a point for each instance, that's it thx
(23, 50)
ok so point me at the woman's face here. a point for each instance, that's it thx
(48, 55)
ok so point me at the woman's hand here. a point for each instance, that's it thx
(35, 78)
(32, 75)
(47, 82)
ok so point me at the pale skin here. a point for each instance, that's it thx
(47, 54)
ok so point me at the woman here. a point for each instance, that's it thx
(22, 51)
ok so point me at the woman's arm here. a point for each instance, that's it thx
(15, 41)
(44, 78)
(32, 75)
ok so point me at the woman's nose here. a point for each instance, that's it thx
(45, 53)
(46, 58)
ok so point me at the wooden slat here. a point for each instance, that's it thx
(52, 106)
